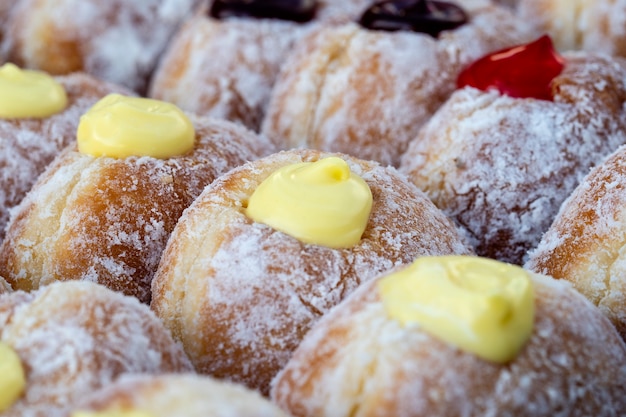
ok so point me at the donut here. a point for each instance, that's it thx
(500, 163)
(5, 10)
(71, 338)
(30, 141)
(420, 342)
(240, 293)
(119, 41)
(585, 243)
(99, 215)
(224, 60)
(363, 90)
(168, 395)
(4, 286)
(594, 26)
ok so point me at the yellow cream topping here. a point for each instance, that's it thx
(112, 413)
(322, 203)
(29, 94)
(12, 378)
(480, 305)
(119, 126)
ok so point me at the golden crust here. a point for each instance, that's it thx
(240, 295)
(367, 93)
(27, 146)
(585, 243)
(357, 361)
(75, 337)
(186, 395)
(501, 166)
(107, 220)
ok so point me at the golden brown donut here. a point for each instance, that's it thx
(186, 395)
(27, 146)
(367, 92)
(501, 166)
(585, 243)
(107, 220)
(76, 337)
(594, 26)
(227, 67)
(118, 40)
(4, 286)
(240, 295)
(358, 361)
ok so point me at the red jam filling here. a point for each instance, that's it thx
(294, 10)
(423, 16)
(524, 71)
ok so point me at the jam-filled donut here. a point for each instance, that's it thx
(585, 243)
(224, 61)
(61, 342)
(594, 26)
(116, 40)
(39, 115)
(169, 395)
(271, 246)
(365, 89)
(500, 163)
(104, 209)
(458, 336)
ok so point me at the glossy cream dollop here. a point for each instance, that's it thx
(29, 94)
(479, 305)
(322, 203)
(119, 126)
(12, 377)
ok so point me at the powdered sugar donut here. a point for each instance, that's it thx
(118, 41)
(585, 243)
(186, 395)
(501, 166)
(367, 92)
(240, 294)
(224, 62)
(105, 217)
(74, 337)
(360, 359)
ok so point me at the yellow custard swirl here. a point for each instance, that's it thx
(322, 203)
(119, 126)
(479, 305)
(29, 94)
(12, 377)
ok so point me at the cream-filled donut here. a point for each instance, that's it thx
(241, 293)
(452, 336)
(68, 339)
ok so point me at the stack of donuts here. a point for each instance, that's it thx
(312, 208)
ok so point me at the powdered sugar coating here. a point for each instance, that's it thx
(240, 295)
(367, 93)
(501, 167)
(75, 337)
(116, 40)
(586, 242)
(27, 146)
(107, 220)
(357, 361)
(186, 395)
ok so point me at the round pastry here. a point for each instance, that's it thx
(585, 243)
(4, 286)
(175, 395)
(104, 209)
(501, 163)
(365, 91)
(240, 293)
(5, 10)
(596, 26)
(116, 40)
(38, 118)
(452, 336)
(70, 338)
(223, 62)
